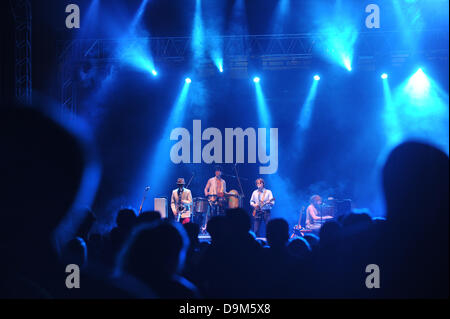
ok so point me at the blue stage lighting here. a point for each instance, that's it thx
(348, 64)
(418, 109)
(218, 61)
(418, 85)
(384, 76)
(256, 79)
(159, 153)
(198, 33)
(188, 80)
(154, 72)
(339, 33)
(308, 106)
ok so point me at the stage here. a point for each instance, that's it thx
(259, 121)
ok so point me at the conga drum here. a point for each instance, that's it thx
(233, 199)
(200, 209)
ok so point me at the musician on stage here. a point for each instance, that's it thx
(181, 202)
(215, 190)
(262, 201)
(313, 213)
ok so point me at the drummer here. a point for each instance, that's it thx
(215, 190)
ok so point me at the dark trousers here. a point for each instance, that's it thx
(263, 216)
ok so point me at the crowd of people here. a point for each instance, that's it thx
(146, 256)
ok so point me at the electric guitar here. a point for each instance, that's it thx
(261, 205)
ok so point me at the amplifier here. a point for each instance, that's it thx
(161, 206)
(338, 207)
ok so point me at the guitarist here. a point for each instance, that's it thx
(262, 202)
(181, 202)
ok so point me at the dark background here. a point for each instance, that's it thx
(338, 156)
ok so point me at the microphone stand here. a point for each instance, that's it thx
(187, 186)
(240, 186)
(143, 199)
(190, 180)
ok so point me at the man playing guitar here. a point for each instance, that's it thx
(181, 202)
(262, 201)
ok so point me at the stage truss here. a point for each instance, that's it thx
(266, 52)
(21, 10)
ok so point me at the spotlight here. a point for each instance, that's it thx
(384, 76)
(348, 64)
(188, 80)
(316, 77)
(256, 79)
(154, 72)
(220, 69)
(418, 85)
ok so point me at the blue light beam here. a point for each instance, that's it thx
(161, 159)
(308, 105)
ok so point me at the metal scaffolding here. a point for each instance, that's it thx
(285, 51)
(21, 10)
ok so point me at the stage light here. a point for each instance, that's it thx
(256, 79)
(188, 80)
(316, 77)
(348, 64)
(339, 35)
(418, 85)
(384, 76)
(418, 109)
(263, 108)
(218, 61)
(154, 72)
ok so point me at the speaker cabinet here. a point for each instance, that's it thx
(161, 206)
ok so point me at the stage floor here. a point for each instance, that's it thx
(207, 237)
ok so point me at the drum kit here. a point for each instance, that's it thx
(214, 205)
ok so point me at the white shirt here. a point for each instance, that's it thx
(186, 199)
(215, 186)
(309, 211)
(264, 195)
(312, 210)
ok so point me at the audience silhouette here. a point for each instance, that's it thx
(44, 163)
